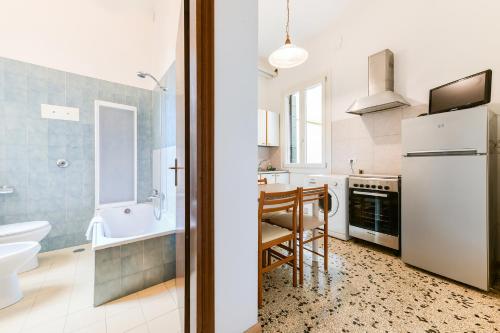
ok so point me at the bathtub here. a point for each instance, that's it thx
(119, 227)
(132, 251)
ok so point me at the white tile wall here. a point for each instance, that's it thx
(373, 140)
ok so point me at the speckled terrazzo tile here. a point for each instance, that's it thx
(368, 289)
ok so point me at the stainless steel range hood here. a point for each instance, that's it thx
(381, 95)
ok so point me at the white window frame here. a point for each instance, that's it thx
(326, 143)
(97, 110)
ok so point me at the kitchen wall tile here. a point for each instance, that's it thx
(384, 122)
(374, 140)
(414, 111)
(387, 150)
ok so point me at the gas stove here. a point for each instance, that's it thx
(385, 183)
(374, 208)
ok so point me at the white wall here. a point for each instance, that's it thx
(235, 163)
(105, 39)
(165, 24)
(434, 42)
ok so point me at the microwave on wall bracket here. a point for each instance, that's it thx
(465, 93)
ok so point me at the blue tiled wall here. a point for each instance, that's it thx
(164, 123)
(30, 146)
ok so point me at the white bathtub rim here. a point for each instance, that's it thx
(99, 242)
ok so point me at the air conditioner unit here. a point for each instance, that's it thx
(267, 73)
(265, 69)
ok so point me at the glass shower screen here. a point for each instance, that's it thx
(116, 154)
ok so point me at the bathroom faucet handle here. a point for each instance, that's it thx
(155, 194)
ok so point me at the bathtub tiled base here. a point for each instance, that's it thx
(126, 269)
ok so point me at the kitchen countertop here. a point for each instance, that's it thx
(275, 171)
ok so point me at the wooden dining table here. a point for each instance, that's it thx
(274, 188)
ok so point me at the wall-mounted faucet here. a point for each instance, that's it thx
(154, 195)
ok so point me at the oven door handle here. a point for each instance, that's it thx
(371, 194)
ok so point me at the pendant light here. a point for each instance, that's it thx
(289, 55)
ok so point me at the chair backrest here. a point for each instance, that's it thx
(262, 181)
(271, 202)
(276, 202)
(312, 194)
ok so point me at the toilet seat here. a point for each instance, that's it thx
(33, 231)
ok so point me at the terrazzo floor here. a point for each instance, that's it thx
(369, 289)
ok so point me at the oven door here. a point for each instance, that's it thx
(373, 210)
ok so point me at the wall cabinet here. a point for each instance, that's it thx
(262, 139)
(276, 178)
(269, 128)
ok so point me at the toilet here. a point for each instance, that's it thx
(33, 231)
(13, 256)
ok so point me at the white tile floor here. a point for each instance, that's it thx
(58, 298)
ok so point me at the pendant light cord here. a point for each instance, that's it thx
(287, 27)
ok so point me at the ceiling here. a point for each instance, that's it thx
(307, 19)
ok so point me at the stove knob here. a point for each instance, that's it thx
(374, 186)
(387, 188)
(380, 187)
(356, 185)
(367, 185)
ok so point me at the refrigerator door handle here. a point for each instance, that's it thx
(451, 152)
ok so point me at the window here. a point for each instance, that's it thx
(305, 127)
(293, 129)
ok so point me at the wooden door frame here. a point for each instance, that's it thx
(200, 129)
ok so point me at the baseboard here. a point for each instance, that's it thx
(254, 329)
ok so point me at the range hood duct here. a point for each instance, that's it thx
(381, 95)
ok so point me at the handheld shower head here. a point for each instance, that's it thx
(143, 75)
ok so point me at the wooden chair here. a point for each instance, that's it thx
(308, 223)
(274, 236)
(262, 181)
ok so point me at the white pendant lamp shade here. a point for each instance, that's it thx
(288, 56)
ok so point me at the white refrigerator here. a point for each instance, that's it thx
(448, 190)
